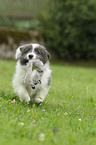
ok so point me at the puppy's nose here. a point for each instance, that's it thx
(30, 56)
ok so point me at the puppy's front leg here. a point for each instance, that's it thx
(41, 95)
(23, 94)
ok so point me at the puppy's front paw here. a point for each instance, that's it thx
(38, 100)
(27, 99)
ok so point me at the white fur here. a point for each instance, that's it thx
(18, 53)
(25, 92)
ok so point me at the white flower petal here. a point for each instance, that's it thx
(79, 119)
(65, 113)
(42, 137)
(21, 123)
(28, 110)
(13, 101)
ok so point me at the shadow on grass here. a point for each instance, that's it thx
(6, 95)
(10, 96)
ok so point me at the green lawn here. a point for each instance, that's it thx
(73, 91)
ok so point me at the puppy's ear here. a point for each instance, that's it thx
(18, 52)
(48, 55)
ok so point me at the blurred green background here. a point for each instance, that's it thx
(68, 27)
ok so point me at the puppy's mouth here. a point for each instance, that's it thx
(25, 61)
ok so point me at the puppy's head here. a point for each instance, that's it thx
(31, 52)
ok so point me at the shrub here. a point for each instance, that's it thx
(69, 28)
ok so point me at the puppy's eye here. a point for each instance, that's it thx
(37, 51)
(21, 49)
(27, 50)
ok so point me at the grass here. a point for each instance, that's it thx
(73, 91)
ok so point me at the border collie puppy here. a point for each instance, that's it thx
(32, 78)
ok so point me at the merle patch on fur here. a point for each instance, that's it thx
(23, 61)
(25, 49)
(42, 54)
